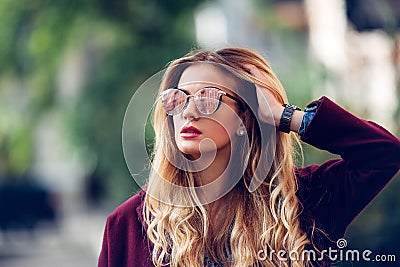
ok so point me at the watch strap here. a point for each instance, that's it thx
(286, 118)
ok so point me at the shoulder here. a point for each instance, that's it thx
(125, 242)
(129, 212)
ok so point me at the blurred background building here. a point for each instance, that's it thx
(69, 68)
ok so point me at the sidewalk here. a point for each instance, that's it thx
(76, 242)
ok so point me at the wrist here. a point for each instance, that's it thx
(278, 114)
(290, 118)
(296, 121)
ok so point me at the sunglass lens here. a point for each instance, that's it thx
(173, 101)
(207, 100)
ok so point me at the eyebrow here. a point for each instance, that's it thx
(207, 86)
(204, 82)
(183, 90)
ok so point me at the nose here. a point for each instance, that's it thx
(190, 111)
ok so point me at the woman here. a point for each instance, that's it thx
(224, 190)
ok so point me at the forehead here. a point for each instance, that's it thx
(203, 74)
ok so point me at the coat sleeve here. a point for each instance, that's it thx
(336, 191)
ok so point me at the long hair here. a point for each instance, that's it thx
(266, 219)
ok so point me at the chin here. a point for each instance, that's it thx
(189, 150)
(192, 156)
(189, 153)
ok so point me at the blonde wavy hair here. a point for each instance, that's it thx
(266, 219)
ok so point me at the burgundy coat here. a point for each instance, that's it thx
(332, 193)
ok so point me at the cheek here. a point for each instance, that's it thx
(177, 124)
(222, 133)
(226, 125)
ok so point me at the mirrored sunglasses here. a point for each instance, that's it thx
(207, 100)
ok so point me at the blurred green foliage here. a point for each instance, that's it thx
(116, 45)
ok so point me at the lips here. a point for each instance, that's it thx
(190, 132)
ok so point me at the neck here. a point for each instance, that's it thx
(214, 181)
(215, 168)
(217, 195)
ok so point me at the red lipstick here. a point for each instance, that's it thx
(190, 132)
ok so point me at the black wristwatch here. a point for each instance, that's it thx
(286, 118)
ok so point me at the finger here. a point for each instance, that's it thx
(264, 109)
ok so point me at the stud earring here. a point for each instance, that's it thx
(241, 132)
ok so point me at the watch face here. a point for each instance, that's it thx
(292, 107)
